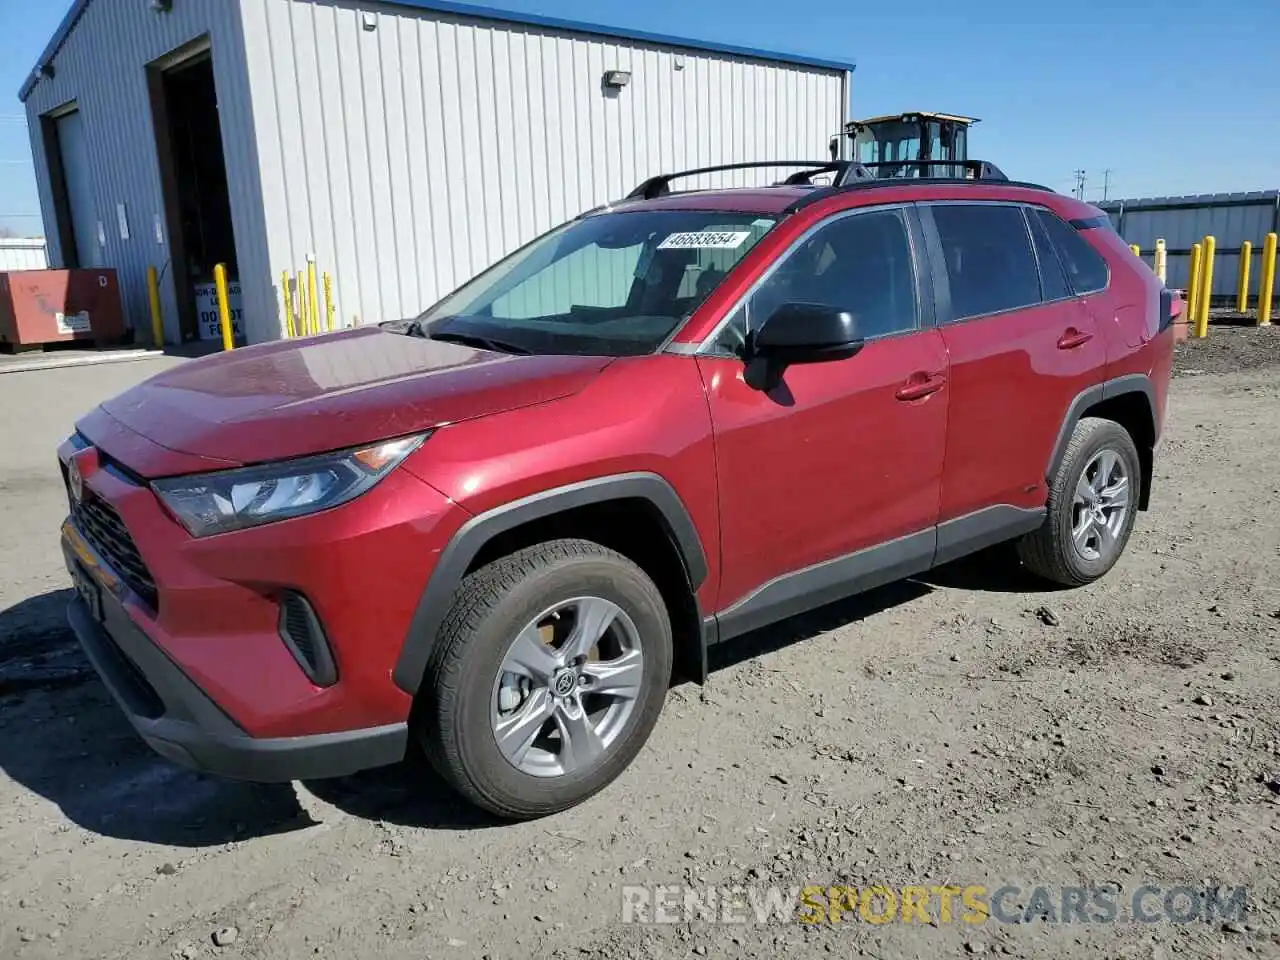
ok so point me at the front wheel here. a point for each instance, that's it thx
(548, 677)
(1093, 501)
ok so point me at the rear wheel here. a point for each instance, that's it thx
(548, 677)
(1093, 502)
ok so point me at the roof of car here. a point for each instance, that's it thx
(740, 199)
(786, 198)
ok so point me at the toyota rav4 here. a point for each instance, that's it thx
(499, 531)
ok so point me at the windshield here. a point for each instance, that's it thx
(889, 141)
(612, 284)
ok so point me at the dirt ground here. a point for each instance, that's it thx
(959, 729)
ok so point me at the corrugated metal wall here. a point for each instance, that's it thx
(1231, 218)
(22, 254)
(412, 149)
(101, 68)
(408, 149)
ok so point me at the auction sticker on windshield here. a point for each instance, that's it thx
(705, 240)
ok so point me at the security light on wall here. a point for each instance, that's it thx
(617, 79)
(162, 6)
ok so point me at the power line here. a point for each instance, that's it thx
(1081, 177)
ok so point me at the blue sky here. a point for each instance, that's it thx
(1180, 96)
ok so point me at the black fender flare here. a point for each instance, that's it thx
(479, 530)
(1138, 383)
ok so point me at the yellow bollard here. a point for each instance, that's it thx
(1193, 286)
(1267, 288)
(328, 303)
(287, 293)
(1206, 285)
(224, 307)
(157, 317)
(1242, 284)
(1162, 261)
(1137, 250)
(300, 280)
(313, 295)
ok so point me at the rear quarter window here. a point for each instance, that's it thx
(1053, 280)
(1085, 267)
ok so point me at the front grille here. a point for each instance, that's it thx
(101, 525)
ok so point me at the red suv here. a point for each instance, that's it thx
(500, 530)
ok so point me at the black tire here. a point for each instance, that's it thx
(491, 606)
(1050, 552)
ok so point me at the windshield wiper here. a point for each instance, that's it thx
(483, 342)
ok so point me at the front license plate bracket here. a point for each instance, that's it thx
(89, 589)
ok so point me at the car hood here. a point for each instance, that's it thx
(293, 398)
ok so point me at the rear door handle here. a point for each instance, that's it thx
(920, 385)
(1073, 338)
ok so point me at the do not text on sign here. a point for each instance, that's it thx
(207, 310)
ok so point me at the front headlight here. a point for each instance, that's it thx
(210, 503)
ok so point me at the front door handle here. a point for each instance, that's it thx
(920, 385)
(1073, 338)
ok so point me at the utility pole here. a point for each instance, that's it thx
(1080, 179)
(1106, 184)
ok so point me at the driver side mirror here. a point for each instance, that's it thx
(799, 333)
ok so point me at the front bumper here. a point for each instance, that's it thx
(180, 722)
(218, 608)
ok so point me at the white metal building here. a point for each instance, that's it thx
(22, 253)
(408, 145)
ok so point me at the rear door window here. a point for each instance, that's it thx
(1087, 271)
(990, 264)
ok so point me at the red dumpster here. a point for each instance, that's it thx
(54, 306)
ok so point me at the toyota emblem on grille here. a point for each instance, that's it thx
(75, 481)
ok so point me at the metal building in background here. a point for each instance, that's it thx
(1231, 218)
(407, 145)
(22, 253)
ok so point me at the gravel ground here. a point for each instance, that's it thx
(1229, 349)
(960, 729)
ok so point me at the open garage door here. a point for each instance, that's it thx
(193, 172)
(79, 223)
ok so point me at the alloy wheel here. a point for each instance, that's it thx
(1100, 506)
(568, 685)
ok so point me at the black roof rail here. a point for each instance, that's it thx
(888, 183)
(974, 169)
(846, 172)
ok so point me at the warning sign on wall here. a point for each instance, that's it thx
(207, 310)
